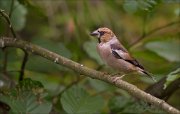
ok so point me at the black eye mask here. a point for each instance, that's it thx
(101, 33)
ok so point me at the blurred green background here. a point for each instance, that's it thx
(149, 29)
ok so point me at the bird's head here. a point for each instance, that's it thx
(103, 34)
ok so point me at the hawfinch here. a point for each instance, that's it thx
(114, 53)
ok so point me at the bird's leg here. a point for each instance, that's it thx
(119, 74)
(115, 78)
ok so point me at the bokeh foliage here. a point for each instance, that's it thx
(63, 26)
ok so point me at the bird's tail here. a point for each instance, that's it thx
(149, 75)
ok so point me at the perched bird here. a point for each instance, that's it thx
(115, 54)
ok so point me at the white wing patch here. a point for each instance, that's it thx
(120, 53)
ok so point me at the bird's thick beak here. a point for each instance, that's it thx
(95, 33)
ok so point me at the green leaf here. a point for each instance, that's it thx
(166, 49)
(13, 61)
(28, 84)
(57, 47)
(19, 12)
(27, 98)
(171, 1)
(5, 5)
(25, 2)
(131, 6)
(172, 77)
(125, 105)
(40, 64)
(77, 101)
(90, 48)
(18, 16)
(118, 103)
(141, 107)
(147, 4)
(100, 85)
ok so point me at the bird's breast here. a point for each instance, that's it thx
(104, 51)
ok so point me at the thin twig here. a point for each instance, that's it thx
(11, 9)
(7, 17)
(131, 89)
(25, 58)
(144, 25)
(8, 21)
(152, 32)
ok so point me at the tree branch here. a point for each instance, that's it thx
(133, 90)
(152, 32)
(25, 58)
(11, 8)
(163, 93)
(8, 21)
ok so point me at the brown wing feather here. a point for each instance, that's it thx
(123, 54)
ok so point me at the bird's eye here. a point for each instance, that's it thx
(101, 33)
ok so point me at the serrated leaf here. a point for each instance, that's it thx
(172, 77)
(27, 98)
(28, 85)
(166, 49)
(90, 48)
(77, 101)
(132, 6)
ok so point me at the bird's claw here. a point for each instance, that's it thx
(117, 78)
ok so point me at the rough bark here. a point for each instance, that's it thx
(133, 90)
